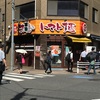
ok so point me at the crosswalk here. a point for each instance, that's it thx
(22, 77)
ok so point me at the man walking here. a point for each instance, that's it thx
(91, 57)
(2, 62)
(69, 59)
(83, 56)
(48, 62)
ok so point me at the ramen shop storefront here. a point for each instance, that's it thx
(53, 35)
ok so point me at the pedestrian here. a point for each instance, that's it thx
(48, 62)
(83, 56)
(69, 59)
(91, 57)
(3, 63)
(19, 62)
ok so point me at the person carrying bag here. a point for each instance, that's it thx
(2, 62)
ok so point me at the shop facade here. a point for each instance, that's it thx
(80, 12)
(39, 36)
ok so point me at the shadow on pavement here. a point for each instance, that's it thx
(20, 95)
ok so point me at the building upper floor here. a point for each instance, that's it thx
(85, 10)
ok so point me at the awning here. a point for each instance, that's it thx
(95, 37)
(81, 40)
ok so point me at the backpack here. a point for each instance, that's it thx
(91, 56)
(68, 57)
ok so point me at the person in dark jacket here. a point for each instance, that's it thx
(70, 61)
(91, 57)
(48, 62)
(19, 62)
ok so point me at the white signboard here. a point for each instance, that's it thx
(88, 48)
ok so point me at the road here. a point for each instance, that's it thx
(51, 87)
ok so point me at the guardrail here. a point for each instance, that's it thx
(81, 65)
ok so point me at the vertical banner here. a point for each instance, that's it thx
(37, 51)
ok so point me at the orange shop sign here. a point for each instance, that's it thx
(52, 27)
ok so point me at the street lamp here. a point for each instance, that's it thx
(88, 34)
(12, 35)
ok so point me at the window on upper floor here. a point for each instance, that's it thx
(25, 11)
(84, 10)
(94, 15)
(63, 7)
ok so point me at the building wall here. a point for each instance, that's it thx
(41, 13)
(8, 18)
(93, 27)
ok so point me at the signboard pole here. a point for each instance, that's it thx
(12, 36)
(34, 50)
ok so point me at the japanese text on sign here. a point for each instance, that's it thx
(66, 26)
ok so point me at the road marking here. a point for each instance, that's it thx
(19, 76)
(95, 99)
(32, 75)
(46, 75)
(82, 77)
(12, 79)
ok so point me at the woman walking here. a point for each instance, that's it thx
(19, 62)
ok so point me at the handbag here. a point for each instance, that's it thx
(2, 66)
(23, 60)
(92, 62)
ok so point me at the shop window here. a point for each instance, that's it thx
(84, 10)
(25, 11)
(63, 7)
(94, 15)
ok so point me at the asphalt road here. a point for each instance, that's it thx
(58, 87)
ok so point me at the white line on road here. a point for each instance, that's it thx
(24, 77)
(20, 74)
(12, 79)
(45, 75)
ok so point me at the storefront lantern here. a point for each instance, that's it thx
(15, 28)
(84, 28)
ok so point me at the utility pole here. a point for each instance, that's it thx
(12, 35)
(5, 30)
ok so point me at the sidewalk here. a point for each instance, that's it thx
(31, 70)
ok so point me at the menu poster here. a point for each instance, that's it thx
(37, 51)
